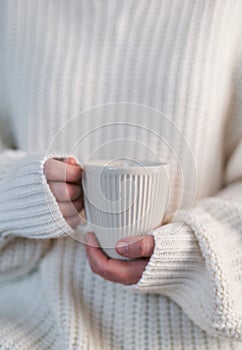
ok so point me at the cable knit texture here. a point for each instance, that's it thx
(182, 58)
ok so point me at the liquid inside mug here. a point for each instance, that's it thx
(123, 198)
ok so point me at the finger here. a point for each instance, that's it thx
(65, 192)
(71, 208)
(70, 160)
(56, 170)
(136, 247)
(73, 221)
(114, 270)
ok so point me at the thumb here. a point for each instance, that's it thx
(136, 246)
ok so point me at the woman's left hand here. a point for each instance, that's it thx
(121, 271)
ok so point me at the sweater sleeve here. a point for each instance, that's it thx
(29, 214)
(27, 206)
(197, 259)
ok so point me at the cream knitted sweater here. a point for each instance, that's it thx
(183, 58)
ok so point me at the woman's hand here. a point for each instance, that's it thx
(120, 271)
(64, 178)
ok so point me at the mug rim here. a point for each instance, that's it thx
(145, 167)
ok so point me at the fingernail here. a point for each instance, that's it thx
(122, 246)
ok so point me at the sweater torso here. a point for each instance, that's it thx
(63, 58)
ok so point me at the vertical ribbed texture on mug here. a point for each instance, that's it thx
(121, 205)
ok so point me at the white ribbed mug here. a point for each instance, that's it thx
(123, 198)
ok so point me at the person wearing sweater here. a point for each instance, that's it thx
(62, 60)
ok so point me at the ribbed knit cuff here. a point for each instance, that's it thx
(175, 258)
(27, 206)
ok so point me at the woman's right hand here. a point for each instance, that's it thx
(64, 178)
